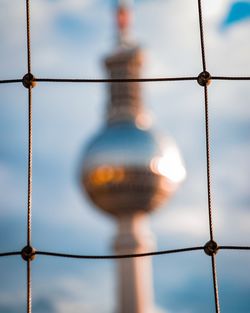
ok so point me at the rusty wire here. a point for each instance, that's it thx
(207, 132)
(29, 192)
(208, 163)
(215, 284)
(29, 200)
(203, 56)
(29, 290)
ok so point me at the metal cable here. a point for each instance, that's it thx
(123, 256)
(121, 80)
(28, 35)
(29, 290)
(215, 285)
(77, 256)
(234, 248)
(10, 81)
(29, 200)
(114, 80)
(208, 164)
(230, 77)
(202, 36)
(3, 254)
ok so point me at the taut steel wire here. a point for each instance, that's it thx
(121, 80)
(205, 77)
(122, 256)
(211, 248)
(29, 86)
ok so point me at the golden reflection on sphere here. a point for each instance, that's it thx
(128, 170)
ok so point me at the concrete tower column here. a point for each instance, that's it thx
(135, 286)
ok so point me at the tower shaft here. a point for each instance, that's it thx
(135, 289)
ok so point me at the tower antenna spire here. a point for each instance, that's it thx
(123, 21)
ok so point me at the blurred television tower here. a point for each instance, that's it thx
(128, 171)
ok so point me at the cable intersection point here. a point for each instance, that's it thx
(28, 253)
(211, 248)
(29, 80)
(204, 78)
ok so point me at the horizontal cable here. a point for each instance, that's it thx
(10, 253)
(123, 256)
(76, 256)
(234, 248)
(10, 81)
(131, 80)
(113, 80)
(122, 80)
(230, 77)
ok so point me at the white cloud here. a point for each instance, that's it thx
(185, 223)
(78, 294)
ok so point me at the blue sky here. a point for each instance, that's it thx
(239, 11)
(70, 39)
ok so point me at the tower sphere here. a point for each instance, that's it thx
(128, 170)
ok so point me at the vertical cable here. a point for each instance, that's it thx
(203, 80)
(29, 86)
(29, 200)
(207, 132)
(28, 34)
(202, 36)
(215, 284)
(29, 297)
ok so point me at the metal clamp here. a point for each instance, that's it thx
(211, 248)
(204, 78)
(29, 80)
(28, 253)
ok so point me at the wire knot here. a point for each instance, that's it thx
(204, 78)
(28, 253)
(29, 80)
(211, 248)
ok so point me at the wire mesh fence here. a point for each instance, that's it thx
(211, 248)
